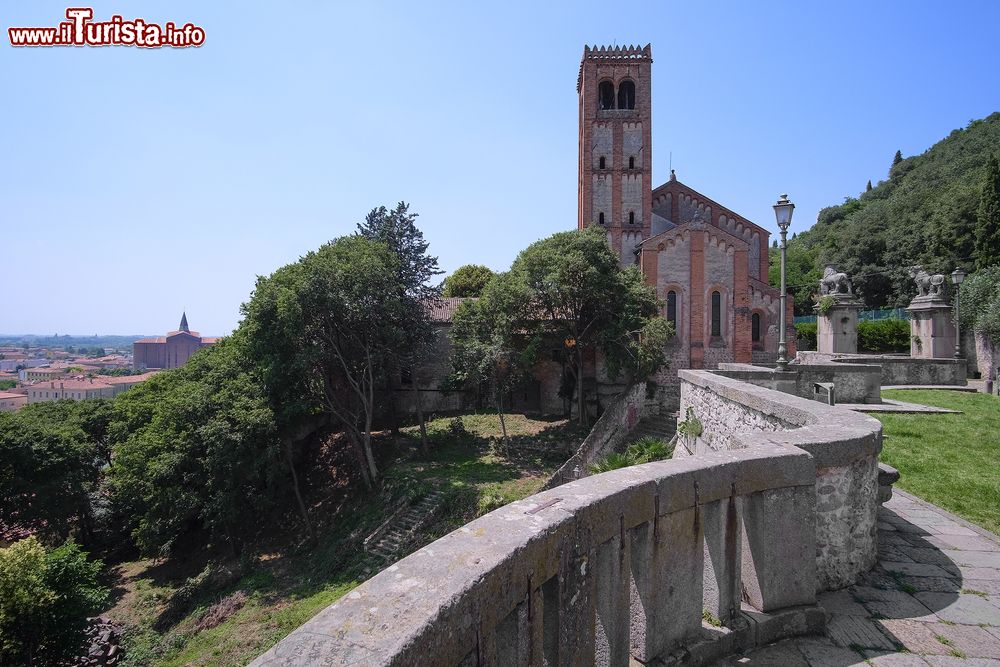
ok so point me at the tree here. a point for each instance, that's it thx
(322, 330)
(467, 281)
(987, 234)
(45, 599)
(897, 158)
(868, 187)
(579, 296)
(489, 341)
(51, 455)
(415, 268)
(197, 449)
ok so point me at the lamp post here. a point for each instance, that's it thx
(957, 276)
(783, 214)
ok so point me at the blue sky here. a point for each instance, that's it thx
(137, 183)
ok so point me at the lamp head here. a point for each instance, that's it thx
(957, 276)
(783, 212)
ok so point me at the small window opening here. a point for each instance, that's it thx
(626, 95)
(631, 217)
(601, 163)
(606, 95)
(716, 314)
(600, 218)
(631, 163)
(672, 308)
(755, 327)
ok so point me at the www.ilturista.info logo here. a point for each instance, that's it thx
(80, 30)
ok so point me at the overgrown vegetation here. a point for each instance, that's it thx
(643, 450)
(979, 303)
(940, 209)
(45, 598)
(467, 281)
(200, 612)
(947, 459)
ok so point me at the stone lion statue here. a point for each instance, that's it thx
(835, 282)
(927, 284)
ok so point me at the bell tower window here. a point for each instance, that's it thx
(631, 217)
(606, 96)
(626, 95)
(631, 163)
(601, 163)
(600, 218)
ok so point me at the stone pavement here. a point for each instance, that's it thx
(933, 599)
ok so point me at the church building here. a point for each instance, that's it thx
(707, 263)
(170, 351)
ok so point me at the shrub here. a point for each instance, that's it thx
(643, 450)
(805, 336)
(45, 599)
(979, 306)
(884, 336)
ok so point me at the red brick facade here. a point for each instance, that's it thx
(712, 260)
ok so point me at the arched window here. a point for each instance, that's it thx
(600, 163)
(672, 308)
(626, 95)
(631, 163)
(631, 217)
(606, 95)
(716, 314)
(755, 327)
(600, 218)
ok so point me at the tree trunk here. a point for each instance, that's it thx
(359, 453)
(503, 424)
(418, 406)
(298, 492)
(581, 404)
(368, 448)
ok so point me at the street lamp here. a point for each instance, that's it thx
(957, 276)
(783, 214)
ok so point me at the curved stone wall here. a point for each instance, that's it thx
(624, 564)
(844, 446)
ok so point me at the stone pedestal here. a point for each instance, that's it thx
(837, 328)
(932, 329)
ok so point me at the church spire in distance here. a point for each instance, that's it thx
(184, 322)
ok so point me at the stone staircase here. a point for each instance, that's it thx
(391, 540)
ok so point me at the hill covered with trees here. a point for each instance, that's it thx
(928, 211)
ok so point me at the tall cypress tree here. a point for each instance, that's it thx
(868, 188)
(987, 247)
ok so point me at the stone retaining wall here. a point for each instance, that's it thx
(898, 369)
(844, 446)
(607, 435)
(854, 383)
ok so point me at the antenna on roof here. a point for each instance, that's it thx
(671, 160)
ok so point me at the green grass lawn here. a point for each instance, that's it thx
(169, 604)
(950, 460)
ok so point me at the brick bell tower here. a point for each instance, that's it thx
(615, 176)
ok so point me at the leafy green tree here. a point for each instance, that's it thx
(489, 342)
(987, 235)
(322, 331)
(580, 296)
(868, 187)
(45, 599)
(415, 269)
(467, 281)
(51, 455)
(980, 303)
(197, 449)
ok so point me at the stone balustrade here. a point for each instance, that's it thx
(626, 564)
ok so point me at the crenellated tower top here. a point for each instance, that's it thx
(614, 54)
